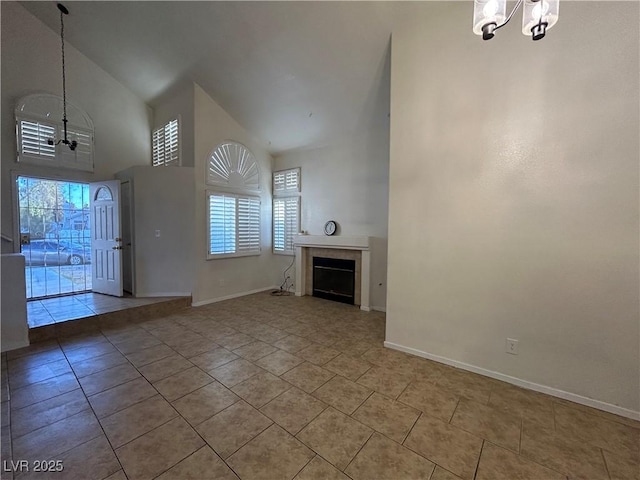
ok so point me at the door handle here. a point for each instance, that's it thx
(116, 248)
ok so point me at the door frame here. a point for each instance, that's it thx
(131, 257)
(39, 173)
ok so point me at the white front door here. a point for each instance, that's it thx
(106, 239)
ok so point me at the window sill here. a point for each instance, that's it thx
(233, 255)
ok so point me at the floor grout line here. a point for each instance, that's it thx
(475, 472)
(411, 429)
(224, 317)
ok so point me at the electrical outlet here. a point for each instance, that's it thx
(157, 233)
(512, 346)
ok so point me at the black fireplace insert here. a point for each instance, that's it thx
(334, 279)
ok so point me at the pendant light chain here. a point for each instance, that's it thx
(64, 78)
(74, 143)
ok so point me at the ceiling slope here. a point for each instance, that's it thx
(295, 74)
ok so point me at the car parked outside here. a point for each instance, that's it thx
(55, 252)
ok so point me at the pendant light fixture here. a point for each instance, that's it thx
(538, 16)
(73, 143)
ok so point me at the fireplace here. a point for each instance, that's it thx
(334, 279)
(336, 247)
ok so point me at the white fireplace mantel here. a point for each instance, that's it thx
(362, 244)
(325, 241)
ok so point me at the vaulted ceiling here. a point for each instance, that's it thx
(295, 74)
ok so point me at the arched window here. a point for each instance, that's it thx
(233, 165)
(39, 126)
(103, 194)
(233, 209)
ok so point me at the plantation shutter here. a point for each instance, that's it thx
(286, 209)
(286, 221)
(158, 148)
(278, 224)
(82, 154)
(232, 165)
(286, 181)
(34, 137)
(37, 123)
(222, 224)
(234, 224)
(292, 217)
(166, 148)
(248, 224)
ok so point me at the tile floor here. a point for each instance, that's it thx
(61, 309)
(266, 387)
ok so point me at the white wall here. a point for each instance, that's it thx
(31, 63)
(13, 320)
(163, 199)
(219, 278)
(514, 202)
(348, 182)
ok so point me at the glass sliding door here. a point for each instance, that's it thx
(55, 236)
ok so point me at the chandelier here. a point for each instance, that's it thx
(73, 143)
(538, 16)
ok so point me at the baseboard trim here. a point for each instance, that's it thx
(233, 295)
(379, 309)
(9, 345)
(162, 294)
(589, 402)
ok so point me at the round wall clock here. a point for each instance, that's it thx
(330, 227)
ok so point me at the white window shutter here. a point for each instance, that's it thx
(166, 145)
(248, 224)
(33, 139)
(286, 181)
(286, 223)
(292, 180)
(158, 148)
(82, 154)
(222, 224)
(278, 182)
(233, 165)
(37, 123)
(292, 221)
(286, 209)
(172, 151)
(279, 224)
(234, 225)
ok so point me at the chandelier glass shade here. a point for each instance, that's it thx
(538, 16)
